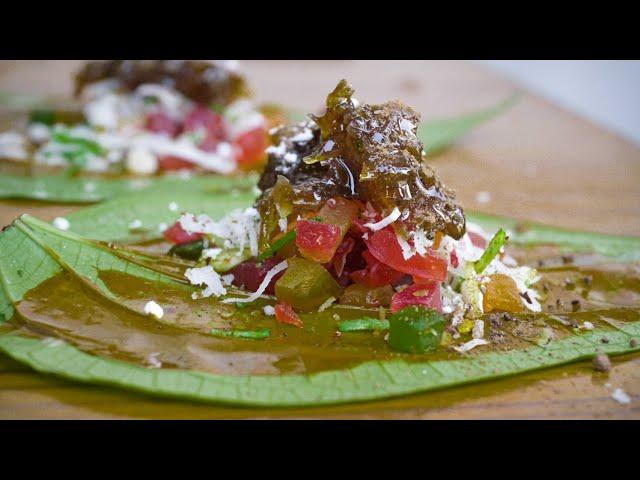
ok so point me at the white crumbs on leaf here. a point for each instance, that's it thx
(61, 223)
(208, 277)
(621, 396)
(153, 309)
(269, 310)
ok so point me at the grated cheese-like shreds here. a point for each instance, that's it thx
(263, 286)
(239, 229)
(471, 344)
(208, 277)
(385, 222)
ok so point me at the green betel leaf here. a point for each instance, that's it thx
(33, 251)
(142, 216)
(110, 222)
(368, 381)
(618, 247)
(65, 189)
(441, 133)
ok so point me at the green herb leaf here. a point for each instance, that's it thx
(277, 245)
(493, 248)
(415, 330)
(63, 189)
(249, 334)
(363, 324)
(440, 134)
(60, 135)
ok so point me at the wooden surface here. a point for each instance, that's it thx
(537, 161)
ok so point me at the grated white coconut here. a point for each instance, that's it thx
(385, 222)
(239, 229)
(208, 277)
(471, 344)
(153, 309)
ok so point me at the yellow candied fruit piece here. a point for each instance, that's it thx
(465, 326)
(501, 294)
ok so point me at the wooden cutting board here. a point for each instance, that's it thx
(537, 162)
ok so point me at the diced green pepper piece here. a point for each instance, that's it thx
(190, 251)
(415, 329)
(277, 245)
(306, 285)
(363, 324)
(493, 248)
(248, 334)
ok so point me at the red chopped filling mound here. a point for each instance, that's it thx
(176, 234)
(285, 314)
(376, 274)
(160, 122)
(201, 119)
(250, 274)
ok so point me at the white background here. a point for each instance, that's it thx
(607, 92)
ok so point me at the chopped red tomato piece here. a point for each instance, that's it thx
(376, 273)
(169, 163)
(357, 227)
(317, 241)
(160, 122)
(384, 245)
(454, 259)
(340, 258)
(477, 240)
(285, 314)
(176, 234)
(250, 147)
(250, 274)
(426, 294)
(201, 118)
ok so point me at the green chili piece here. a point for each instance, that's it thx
(277, 245)
(260, 334)
(83, 143)
(415, 329)
(190, 250)
(493, 248)
(363, 324)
